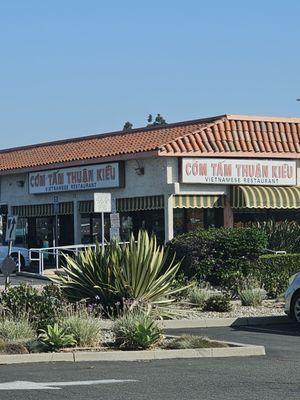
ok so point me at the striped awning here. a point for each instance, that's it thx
(86, 207)
(140, 203)
(265, 197)
(198, 201)
(42, 210)
(128, 204)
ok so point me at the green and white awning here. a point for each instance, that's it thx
(140, 203)
(42, 210)
(128, 204)
(86, 207)
(198, 201)
(282, 197)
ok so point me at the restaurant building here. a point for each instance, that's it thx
(221, 171)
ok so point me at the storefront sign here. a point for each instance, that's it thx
(239, 171)
(77, 178)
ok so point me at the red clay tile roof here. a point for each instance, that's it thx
(221, 136)
(240, 136)
(96, 146)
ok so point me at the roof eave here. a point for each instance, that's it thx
(79, 163)
(231, 155)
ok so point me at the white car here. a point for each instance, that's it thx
(24, 255)
(292, 298)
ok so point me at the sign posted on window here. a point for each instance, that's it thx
(11, 228)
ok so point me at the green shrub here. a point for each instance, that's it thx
(41, 307)
(282, 235)
(275, 270)
(251, 297)
(55, 337)
(136, 330)
(179, 282)
(19, 300)
(198, 296)
(16, 330)
(191, 342)
(85, 330)
(218, 302)
(136, 271)
(220, 256)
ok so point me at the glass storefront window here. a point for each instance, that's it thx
(150, 220)
(194, 219)
(85, 229)
(91, 228)
(130, 222)
(97, 227)
(178, 221)
(190, 219)
(44, 231)
(2, 227)
(22, 232)
(126, 227)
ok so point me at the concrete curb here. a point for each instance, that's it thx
(224, 322)
(33, 275)
(237, 350)
(35, 358)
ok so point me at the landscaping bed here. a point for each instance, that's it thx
(114, 299)
(166, 343)
(186, 346)
(268, 308)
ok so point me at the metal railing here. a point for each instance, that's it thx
(19, 261)
(56, 252)
(276, 251)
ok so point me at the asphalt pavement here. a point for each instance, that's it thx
(17, 279)
(271, 377)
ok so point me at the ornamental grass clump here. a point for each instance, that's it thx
(86, 330)
(191, 342)
(16, 330)
(136, 330)
(252, 297)
(218, 302)
(137, 271)
(197, 296)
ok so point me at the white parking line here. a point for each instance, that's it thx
(25, 385)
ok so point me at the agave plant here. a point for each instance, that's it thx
(91, 275)
(136, 271)
(56, 338)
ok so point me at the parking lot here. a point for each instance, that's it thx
(16, 280)
(271, 377)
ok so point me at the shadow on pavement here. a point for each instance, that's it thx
(292, 329)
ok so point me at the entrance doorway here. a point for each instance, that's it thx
(41, 231)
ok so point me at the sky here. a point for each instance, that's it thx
(70, 68)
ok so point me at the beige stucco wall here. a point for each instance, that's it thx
(153, 182)
(161, 178)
